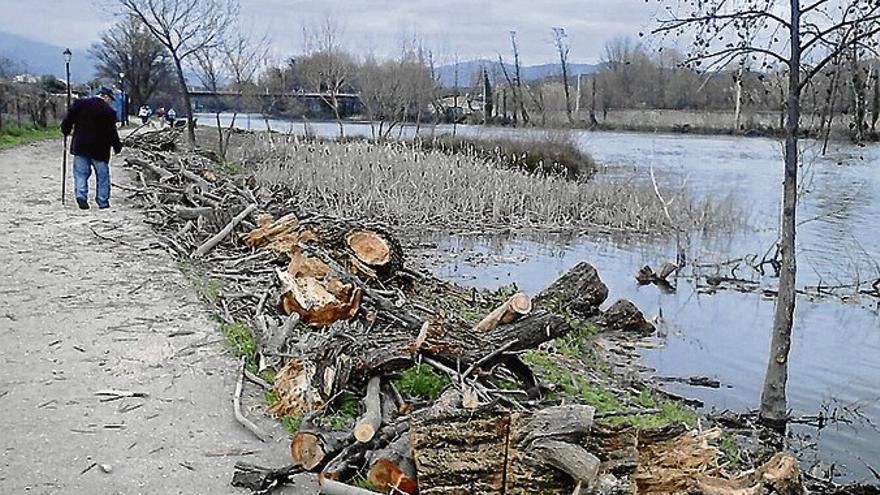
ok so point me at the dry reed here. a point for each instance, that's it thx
(403, 185)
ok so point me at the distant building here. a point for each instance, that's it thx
(26, 79)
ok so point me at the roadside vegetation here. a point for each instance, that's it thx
(14, 136)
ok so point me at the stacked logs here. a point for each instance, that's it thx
(334, 309)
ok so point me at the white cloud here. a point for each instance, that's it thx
(466, 28)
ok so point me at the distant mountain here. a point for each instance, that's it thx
(38, 58)
(468, 71)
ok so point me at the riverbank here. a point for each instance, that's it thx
(558, 360)
(575, 367)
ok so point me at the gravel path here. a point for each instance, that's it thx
(89, 302)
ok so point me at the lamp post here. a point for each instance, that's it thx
(124, 97)
(67, 56)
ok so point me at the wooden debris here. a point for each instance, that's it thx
(368, 424)
(517, 306)
(236, 408)
(213, 241)
(624, 316)
(579, 291)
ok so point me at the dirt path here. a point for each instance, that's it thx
(82, 312)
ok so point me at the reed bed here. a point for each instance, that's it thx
(404, 185)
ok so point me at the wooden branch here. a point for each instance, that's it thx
(571, 459)
(368, 424)
(517, 306)
(187, 213)
(213, 241)
(161, 173)
(311, 446)
(236, 407)
(393, 467)
(331, 487)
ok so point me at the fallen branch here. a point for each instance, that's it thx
(236, 407)
(213, 241)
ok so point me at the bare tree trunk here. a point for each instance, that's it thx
(221, 151)
(875, 104)
(773, 399)
(593, 121)
(738, 80)
(187, 102)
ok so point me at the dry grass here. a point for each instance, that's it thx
(403, 185)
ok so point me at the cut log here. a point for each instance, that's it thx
(393, 467)
(350, 459)
(579, 291)
(368, 424)
(571, 459)
(625, 316)
(369, 247)
(488, 451)
(312, 446)
(517, 306)
(278, 235)
(319, 302)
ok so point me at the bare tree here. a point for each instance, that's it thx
(231, 65)
(563, 47)
(520, 101)
(184, 27)
(813, 35)
(326, 67)
(129, 47)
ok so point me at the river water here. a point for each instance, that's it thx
(835, 358)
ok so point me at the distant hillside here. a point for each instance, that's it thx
(36, 57)
(468, 71)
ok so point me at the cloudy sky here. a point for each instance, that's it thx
(451, 28)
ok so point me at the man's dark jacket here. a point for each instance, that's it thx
(94, 129)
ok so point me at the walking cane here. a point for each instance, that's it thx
(64, 171)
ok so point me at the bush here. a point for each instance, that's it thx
(543, 153)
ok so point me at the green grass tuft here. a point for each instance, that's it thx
(292, 423)
(422, 382)
(231, 168)
(14, 136)
(240, 341)
(346, 412)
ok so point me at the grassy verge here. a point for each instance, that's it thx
(15, 136)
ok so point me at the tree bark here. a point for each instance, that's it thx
(311, 446)
(460, 451)
(773, 398)
(368, 424)
(187, 102)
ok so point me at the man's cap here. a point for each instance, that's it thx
(105, 91)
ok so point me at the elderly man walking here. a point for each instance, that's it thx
(93, 123)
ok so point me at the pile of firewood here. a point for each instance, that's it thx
(334, 309)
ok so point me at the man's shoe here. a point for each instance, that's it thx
(82, 203)
(104, 207)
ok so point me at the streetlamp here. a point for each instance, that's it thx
(67, 56)
(124, 97)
